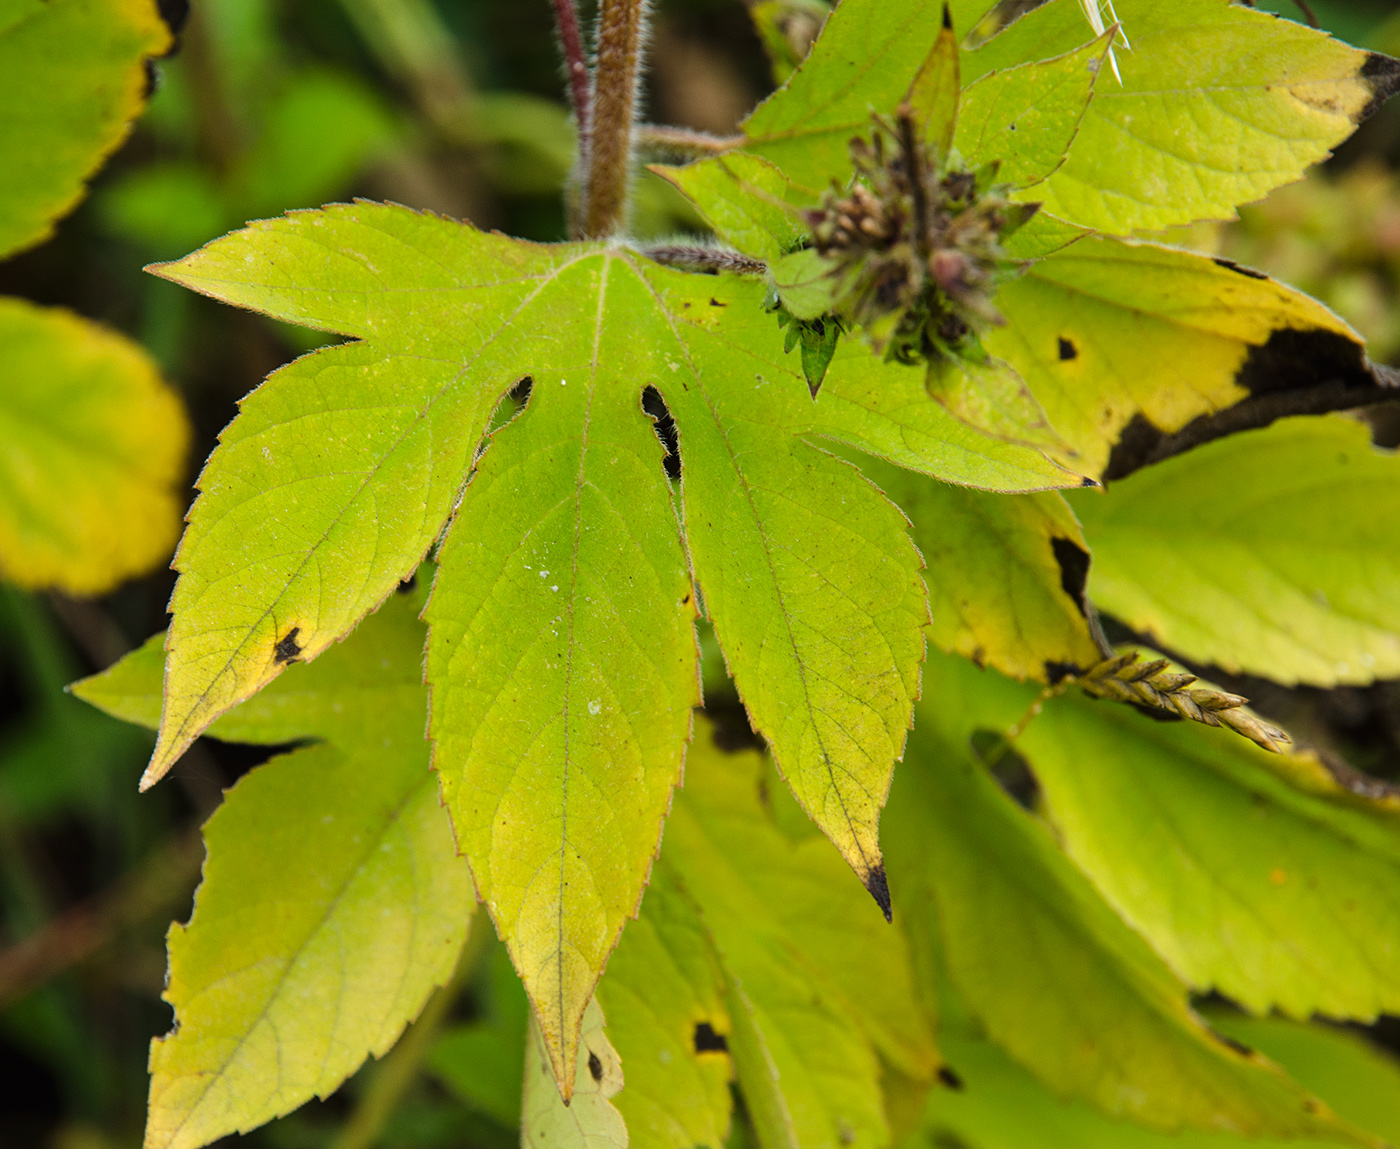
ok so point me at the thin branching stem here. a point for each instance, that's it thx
(621, 24)
(576, 65)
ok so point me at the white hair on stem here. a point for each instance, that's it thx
(1094, 11)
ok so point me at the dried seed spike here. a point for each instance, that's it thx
(1145, 671)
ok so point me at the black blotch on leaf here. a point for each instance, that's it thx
(665, 426)
(287, 648)
(950, 1079)
(1057, 672)
(947, 18)
(1231, 265)
(708, 1041)
(1238, 1046)
(1068, 350)
(1382, 76)
(1011, 771)
(409, 584)
(716, 303)
(595, 1067)
(879, 887)
(1073, 561)
(1292, 359)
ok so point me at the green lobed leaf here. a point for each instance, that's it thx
(92, 449)
(562, 658)
(664, 996)
(1005, 573)
(1043, 964)
(1273, 552)
(590, 1120)
(1218, 105)
(1255, 874)
(1126, 343)
(72, 78)
(331, 874)
(815, 984)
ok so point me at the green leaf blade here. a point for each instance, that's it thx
(1273, 552)
(562, 655)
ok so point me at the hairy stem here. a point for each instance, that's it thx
(576, 65)
(683, 142)
(620, 27)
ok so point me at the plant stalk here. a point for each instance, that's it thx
(576, 64)
(620, 28)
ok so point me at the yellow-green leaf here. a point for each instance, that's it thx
(562, 657)
(1125, 344)
(664, 996)
(72, 78)
(1218, 105)
(1254, 874)
(590, 1120)
(1044, 965)
(92, 450)
(746, 201)
(1275, 552)
(1005, 574)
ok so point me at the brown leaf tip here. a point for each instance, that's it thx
(879, 888)
(1382, 75)
(947, 18)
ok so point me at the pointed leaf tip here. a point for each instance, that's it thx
(879, 887)
(1381, 74)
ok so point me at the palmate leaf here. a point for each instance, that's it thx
(1218, 105)
(341, 470)
(795, 975)
(1274, 552)
(92, 447)
(1046, 968)
(333, 901)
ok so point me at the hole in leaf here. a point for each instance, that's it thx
(1073, 561)
(665, 427)
(708, 1041)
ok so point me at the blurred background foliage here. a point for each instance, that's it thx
(453, 106)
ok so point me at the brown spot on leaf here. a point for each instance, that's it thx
(879, 887)
(950, 1079)
(1068, 350)
(706, 1040)
(595, 1067)
(287, 648)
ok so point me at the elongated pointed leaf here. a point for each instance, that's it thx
(824, 653)
(1125, 344)
(664, 996)
(341, 469)
(1276, 552)
(562, 655)
(1048, 970)
(1252, 873)
(92, 447)
(1218, 105)
(932, 100)
(72, 78)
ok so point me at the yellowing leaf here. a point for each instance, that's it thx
(72, 78)
(92, 449)
(1218, 105)
(333, 899)
(1047, 969)
(1254, 874)
(664, 997)
(1005, 573)
(1125, 344)
(590, 1120)
(1275, 552)
(563, 659)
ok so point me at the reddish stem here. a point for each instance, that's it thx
(576, 64)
